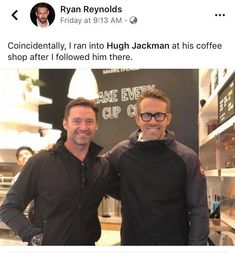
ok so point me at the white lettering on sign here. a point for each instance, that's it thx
(133, 93)
(107, 96)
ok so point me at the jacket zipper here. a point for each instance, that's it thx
(43, 231)
(81, 183)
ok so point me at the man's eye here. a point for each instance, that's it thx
(89, 122)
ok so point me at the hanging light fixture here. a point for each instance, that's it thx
(83, 84)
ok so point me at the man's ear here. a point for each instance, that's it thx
(169, 118)
(65, 124)
(137, 119)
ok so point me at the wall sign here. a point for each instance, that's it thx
(226, 102)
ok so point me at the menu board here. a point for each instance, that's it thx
(226, 102)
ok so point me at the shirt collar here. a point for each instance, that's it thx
(39, 24)
(140, 137)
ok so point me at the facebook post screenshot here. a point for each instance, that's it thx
(117, 126)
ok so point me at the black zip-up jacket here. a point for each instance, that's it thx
(66, 193)
(163, 192)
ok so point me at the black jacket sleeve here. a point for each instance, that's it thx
(113, 179)
(196, 194)
(17, 199)
(114, 182)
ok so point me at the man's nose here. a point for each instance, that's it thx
(83, 125)
(153, 120)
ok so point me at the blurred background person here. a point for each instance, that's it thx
(23, 153)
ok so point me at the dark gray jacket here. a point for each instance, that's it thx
(163, 192)
(66, 193)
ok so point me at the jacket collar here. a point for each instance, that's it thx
(170, 137)
(93, 151)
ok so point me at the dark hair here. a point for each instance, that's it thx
(80, 101)
(153, 93)
(23, 148)
(41, 5)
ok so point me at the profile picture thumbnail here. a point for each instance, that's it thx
(42, 15)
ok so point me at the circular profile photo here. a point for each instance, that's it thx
(42, 15)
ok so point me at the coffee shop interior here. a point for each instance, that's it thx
(33, 102)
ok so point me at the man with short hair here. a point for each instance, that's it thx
(67, 184)
(163, 188)
(42, 12)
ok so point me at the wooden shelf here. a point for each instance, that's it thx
(4, 226)
(227, 172)
(218, 225)
(218, 130)
(25, 125)
(110, 223)
(5, 181)
(228, 219)
(37, 100)
(211, 173)
(224, 172)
